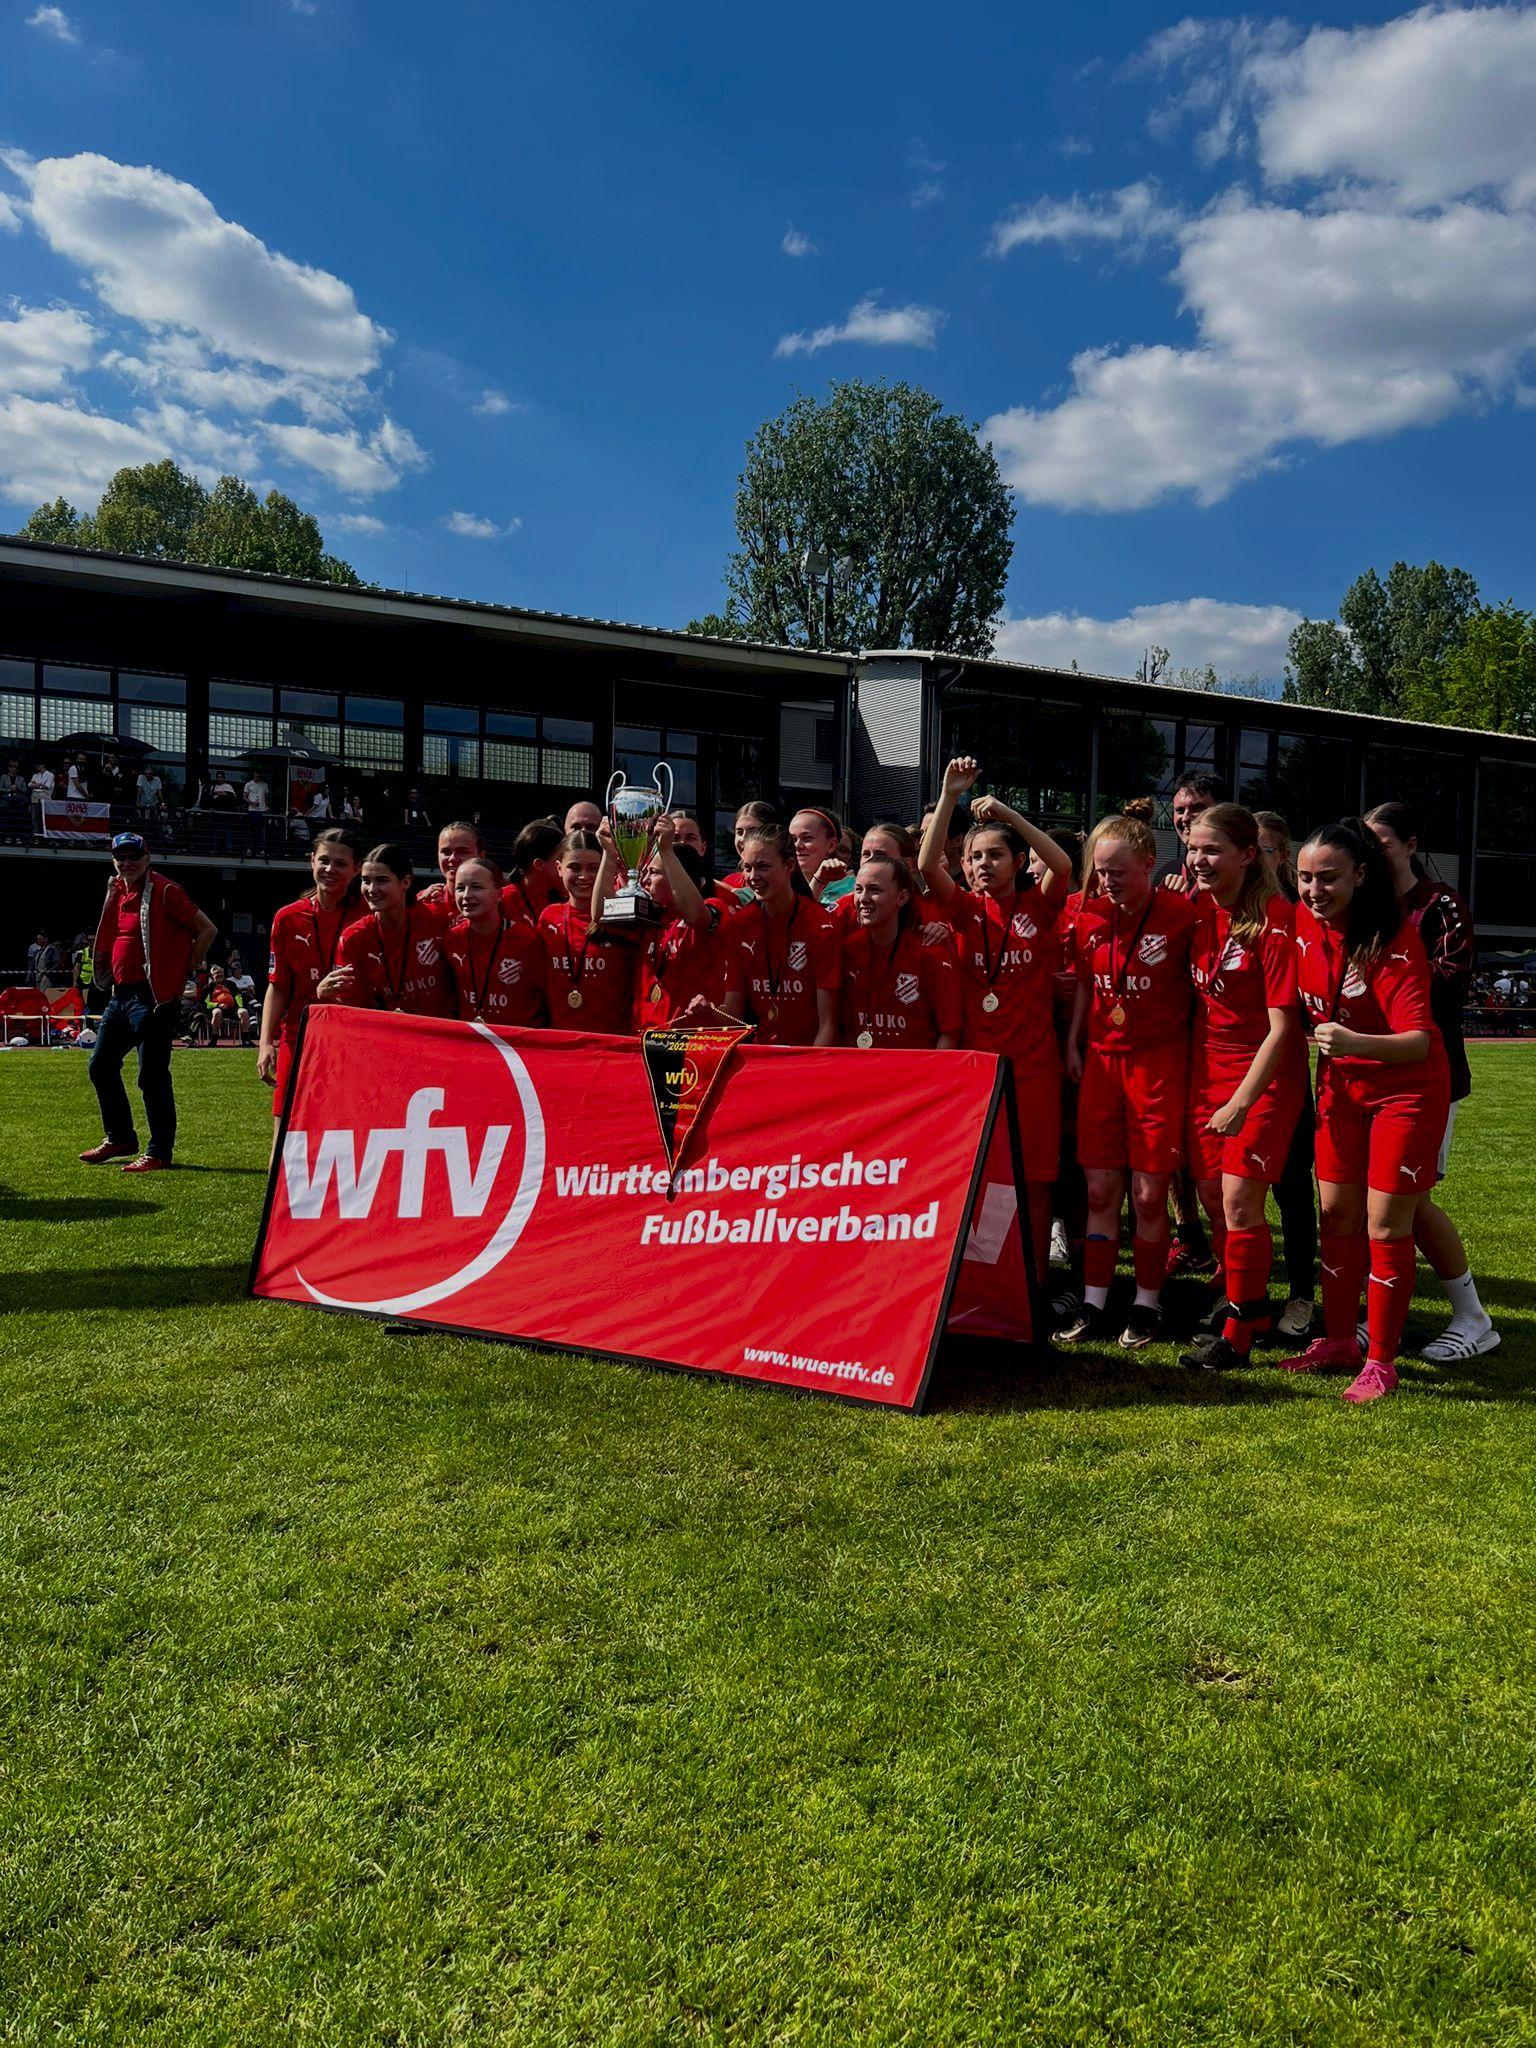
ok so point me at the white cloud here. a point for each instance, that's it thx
(53, 21)
(48, 449)
(1199, 632)
(1133, 215)
(43, 347)
(1075, 145)
(159, 252)
(360, 466)
(870, 322)
(1437, 104)
(177, 364)
(492, 404)
(358, 522)
(797, 244)
(929, 193)
(10, 217)
(470, 526)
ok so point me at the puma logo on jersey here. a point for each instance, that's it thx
(1397, 956)
(1302, 945)
(302, 938)
(906, 988)
(1410, 1173)
(1259, 1161)
(749, 945)
(1153, 948)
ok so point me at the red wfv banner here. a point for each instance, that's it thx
(514, 1183)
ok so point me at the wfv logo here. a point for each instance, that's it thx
(469, 1187)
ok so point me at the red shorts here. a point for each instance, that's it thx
(1259, 1150)
(1130, 1109)
(1387, 1142)
(1039, 1094)
(284, 1075)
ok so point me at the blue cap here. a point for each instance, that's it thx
(129, 843)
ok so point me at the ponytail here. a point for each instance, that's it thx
(777, 836)
(1374, 917)
(1402, 824)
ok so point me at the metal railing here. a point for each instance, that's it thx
(226, 835)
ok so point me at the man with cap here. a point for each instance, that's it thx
(150, 938)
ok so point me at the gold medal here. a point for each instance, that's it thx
(1117, 1015)
(573, 997)
(865, 1040)
(990, 1000)
(656, 993)
(772, 1013)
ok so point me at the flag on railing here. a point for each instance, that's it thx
(83, 824)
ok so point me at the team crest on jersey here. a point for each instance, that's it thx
(796, 955)
(1232, 956)
(1153, 948)
(1354, 985)
(1024, 926)
(426, 952)
(906, 988)
(508, 971)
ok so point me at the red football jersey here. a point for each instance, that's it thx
(903, 998)
(682, 961)
(598, 966)
(1389, 993)
(304, 945)
(1137, 965)
(403, 970)
(1006, 950)
(503, 978)
(784, 962)
(1237, 984)
(527, 897)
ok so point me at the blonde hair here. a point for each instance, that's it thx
(1134, 831)
(1240, 828)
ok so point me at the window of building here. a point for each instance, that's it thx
(239, 718)
(1317, 778)
(311, 717)
(373, 736)
(1137, 757)
(17, 675)
(638, 750)
(1032, 754)
(133, 688)
(1506, 810)
(157, 725)
(18, 703)
(77, 682)
(450, 744)
(57, 716)
(1254, 773)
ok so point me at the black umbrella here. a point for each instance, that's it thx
(100, 743)
(299, 753)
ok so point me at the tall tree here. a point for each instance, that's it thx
(1392, 637)
(1488, 679)
(868, 518)
(159, 511)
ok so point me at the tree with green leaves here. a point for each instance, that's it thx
(868, 518)
(158, 511)
(1390, 639)
(1488, 679)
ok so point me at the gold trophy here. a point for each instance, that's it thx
(633, 809)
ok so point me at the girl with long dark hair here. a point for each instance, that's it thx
(305, 939)
(1383, 1093)
(533, 875)
(395, 957)
(897, 992)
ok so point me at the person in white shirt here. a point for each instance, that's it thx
(41, 786)
(77, 789)
(320, 804)
(256, 793)
(148, 789)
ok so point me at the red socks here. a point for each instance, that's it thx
(1387, 1296)
(1099, 1261)
(1249, 1255)
(1150, 1259)
(1344, 1261)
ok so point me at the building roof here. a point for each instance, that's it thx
(126, 572)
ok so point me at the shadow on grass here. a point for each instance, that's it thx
(121, 1287)
(69, 1208)
(973, 1372)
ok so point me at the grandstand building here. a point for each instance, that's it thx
(448, 708)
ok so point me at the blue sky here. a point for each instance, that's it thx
(1244, 305)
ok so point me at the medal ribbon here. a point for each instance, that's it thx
(395, 983)
(1118, 978)
(986, 941)
(890, 979)
(774, 985)
(328, 958)
(479, 996)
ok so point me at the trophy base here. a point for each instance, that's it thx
(631, 912)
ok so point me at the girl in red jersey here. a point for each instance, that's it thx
(499, 963)
(754, 813)
(533, 878)
(1383, 1094)
(457, 842)
(591, 972)
(1444, 925)
(897, 992)
(1005, 944)
(791, 959)
(1247, 1080)
(818, 838)
(394, 957)
(305, 938)
(689, 961)
(1129, 1047)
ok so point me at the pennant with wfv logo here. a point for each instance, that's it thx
(684, 1064)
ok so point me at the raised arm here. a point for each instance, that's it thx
(958, 777)
(1057, 862)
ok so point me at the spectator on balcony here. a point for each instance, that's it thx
(149, 790)
(257, 797)
(13, 784)
(77, 789)
(414, 817)
(41, 786)
(319, 811)
(111, 787)
(352, 807)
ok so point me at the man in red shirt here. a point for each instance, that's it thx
(150, 938)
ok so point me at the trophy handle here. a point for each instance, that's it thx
(664, 768)
(615, 781)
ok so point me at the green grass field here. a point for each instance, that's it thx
(379, 1690)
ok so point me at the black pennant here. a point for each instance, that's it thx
(684, 1064)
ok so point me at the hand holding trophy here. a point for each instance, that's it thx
(633, 811)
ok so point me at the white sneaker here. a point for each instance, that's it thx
(1295, 1322)
(1059, 1255)
(1461, 1340)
